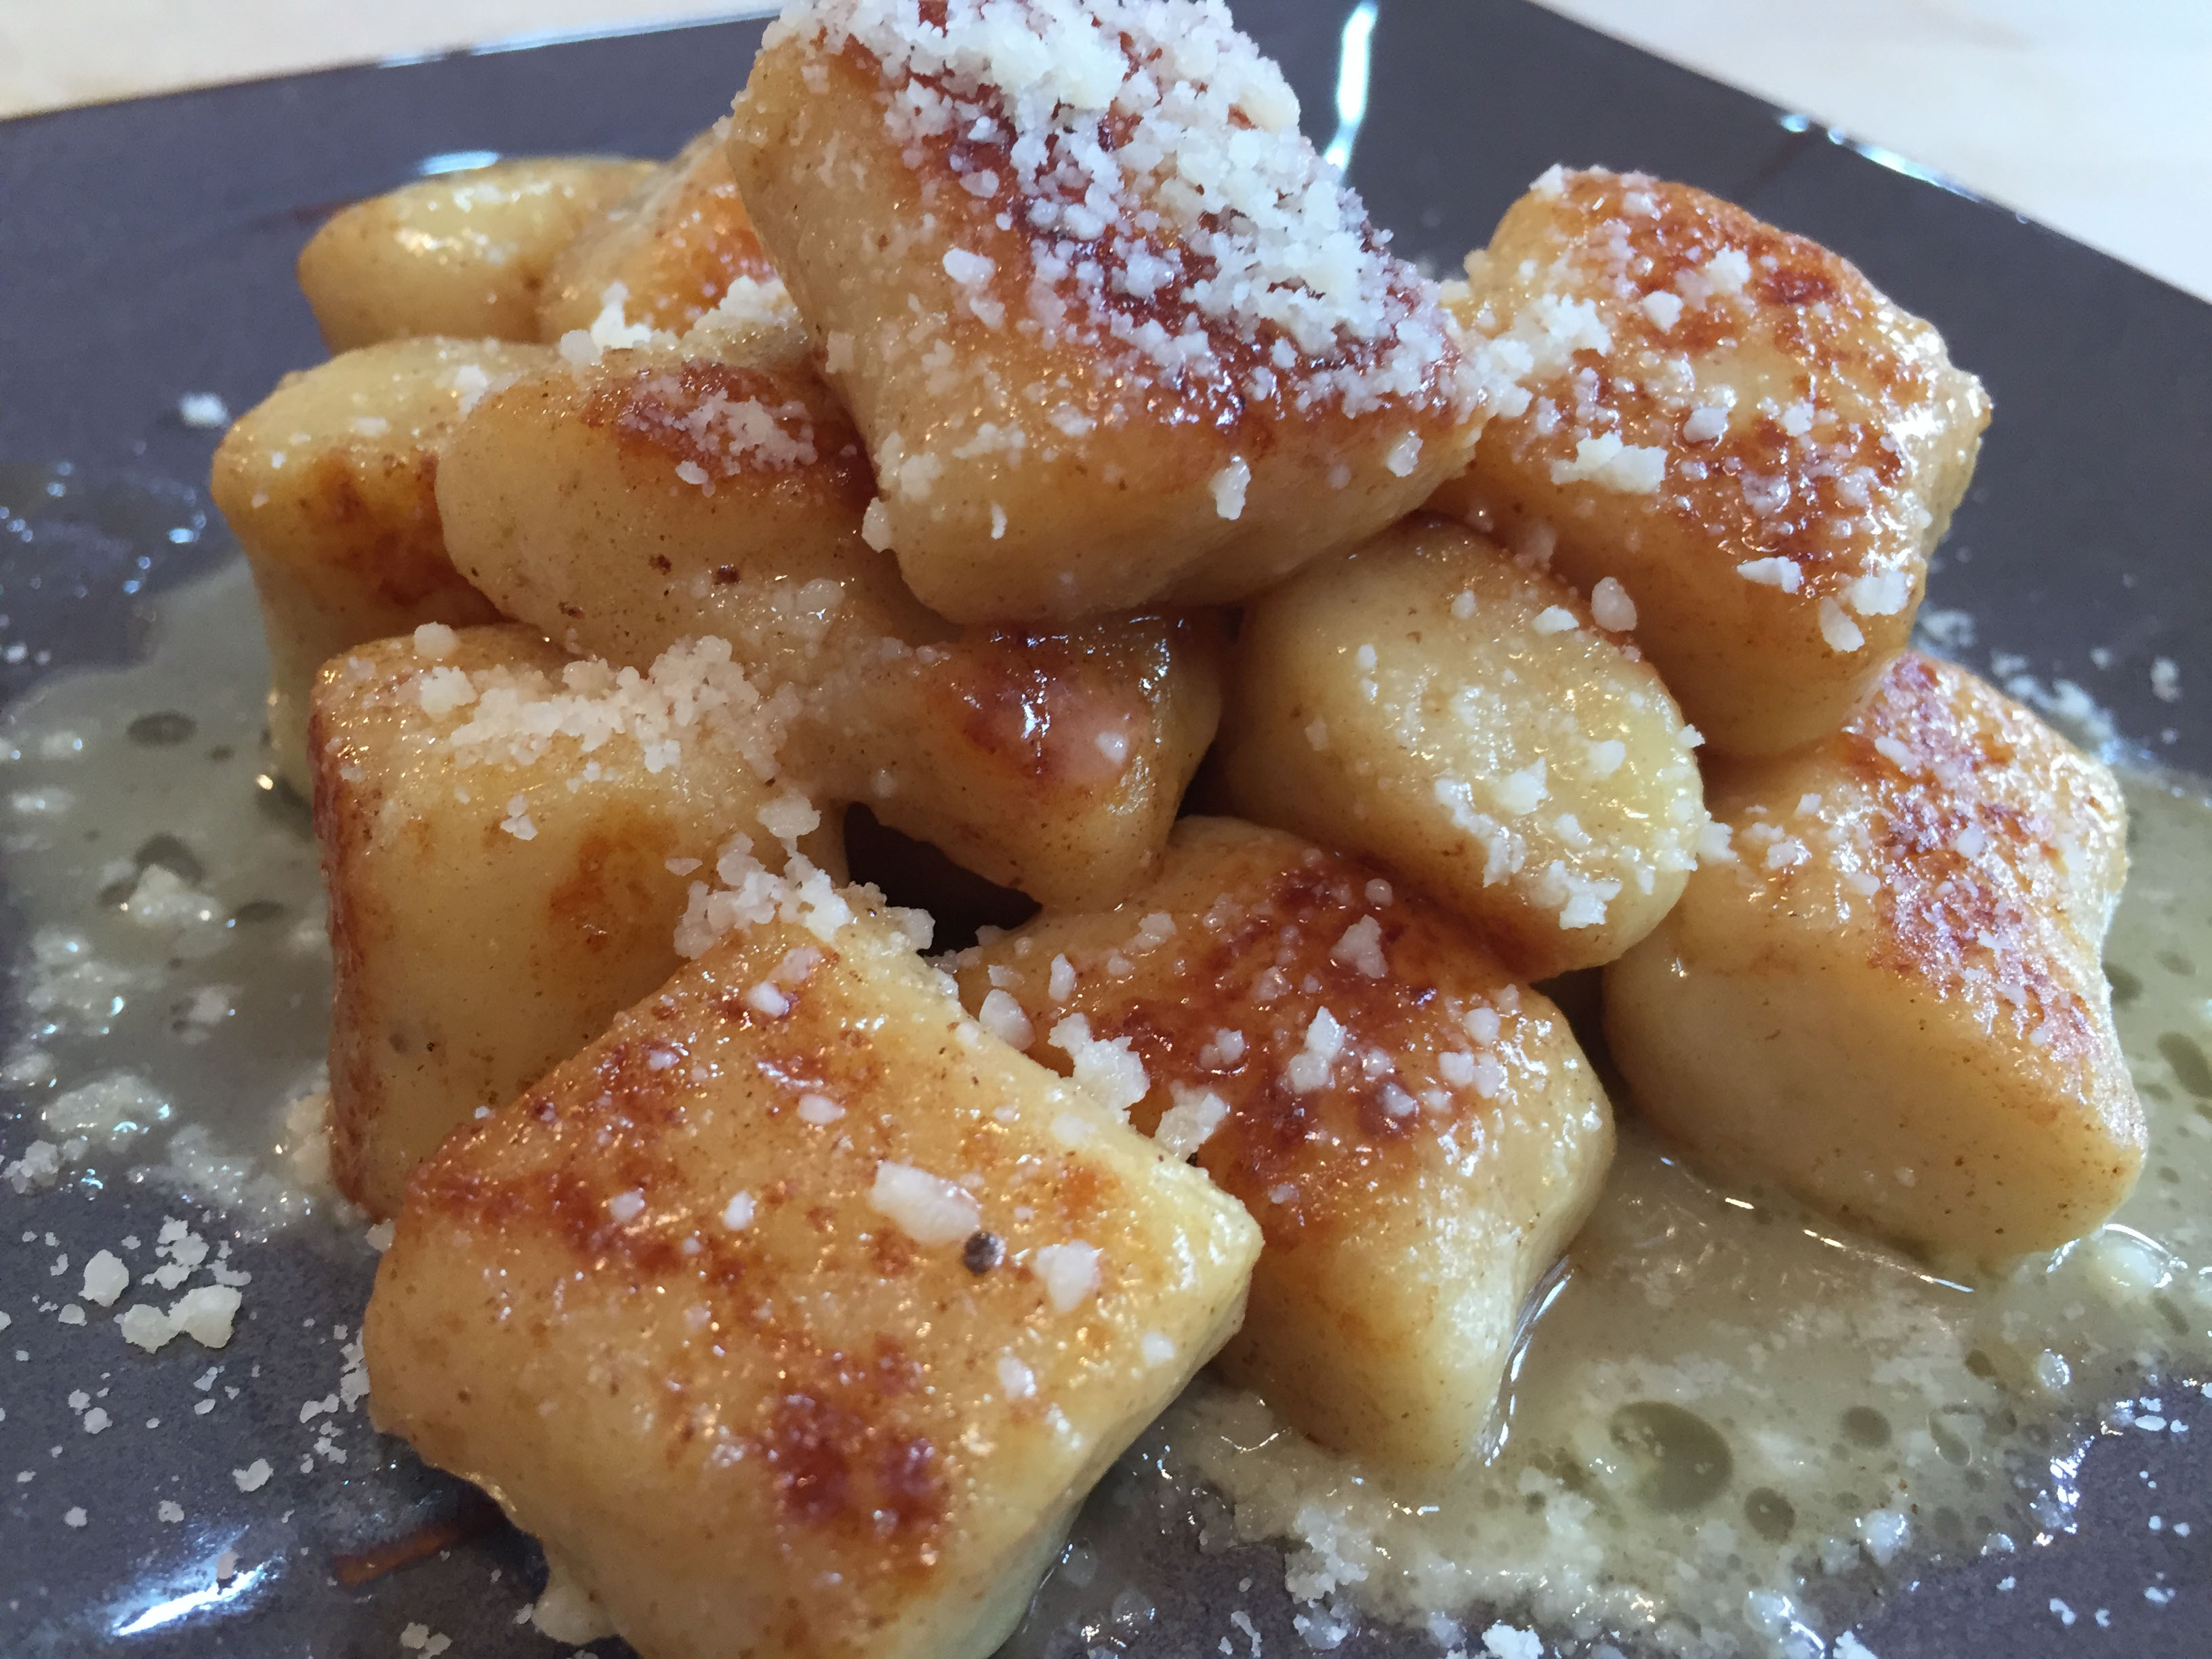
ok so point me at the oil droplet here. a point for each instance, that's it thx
(1684, 1462)
(172, 855)
(162, 729)
(1863, 1425)
(1948, 1445)
(2190, 1067)
(1769, 1513)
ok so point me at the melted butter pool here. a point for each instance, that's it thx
(175, 988)
(1733, 1422)
(1730, 1424)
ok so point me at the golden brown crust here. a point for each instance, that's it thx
(1975, 813)
(796, 1423)
(468, 957)
(1883, 990)
(1263, 961)
(1728, 420)
(676, 243)
(653, 495)
(1034, 465)
(1413, 1175)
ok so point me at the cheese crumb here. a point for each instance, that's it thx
(1554, 619)
(1190, 1122)
(1880, 593)
(1503, 1641)
(435, 641)
(1070, 1273)
(1610, 607)
(1002, 1017)
(1841, 633)
(1785, 573)
(1110, 1071)
(253, 1476)
(1361, 948)
(205, 1313)
(1309, 1069)
(1605, 461)
(926, 1208)
(203, 412)
(106, 1278)
(1229, 486)
(876, 526)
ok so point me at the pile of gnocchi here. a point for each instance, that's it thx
(1004, 441)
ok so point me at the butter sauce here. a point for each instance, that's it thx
(1731, 1423)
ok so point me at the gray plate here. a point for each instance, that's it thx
(146, 251)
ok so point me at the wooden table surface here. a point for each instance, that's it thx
(2096, 120)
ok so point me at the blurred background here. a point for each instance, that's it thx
(2096, 120)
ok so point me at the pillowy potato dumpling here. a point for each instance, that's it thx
(797, 1315)
(1459, 717)
(642, 497)
(1090, 378)
(509, 844)
(679, 246)
(1882, 989)
(1418, 1136)
(330, 484)
(465, 254)
(1728, 421)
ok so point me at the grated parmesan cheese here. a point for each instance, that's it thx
(926, 1208)
(1209, 222)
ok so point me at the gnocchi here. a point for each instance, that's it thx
(624, 504)
(330, 484)
(1463, 720)
(1090, 380)
(1004, 397)
(1418, 1135)
(1730, 424)
(1881, 990)
(509, 840)
(467, 254)
(796, 1313)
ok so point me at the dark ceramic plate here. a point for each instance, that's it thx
(146, 251)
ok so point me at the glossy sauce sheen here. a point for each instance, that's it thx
(1841, 1383)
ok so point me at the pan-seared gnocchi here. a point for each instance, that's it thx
(1463, 719)
(1417, 1135)
(797, 1312)
(466, 254)
(1728, 422)
(329, 485)
(643, 497)
(1881, 990)
(679, 246)
(1090, 378)
(508, 841)
(1001, 399)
